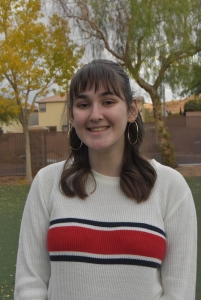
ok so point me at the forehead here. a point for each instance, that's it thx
(100, 91)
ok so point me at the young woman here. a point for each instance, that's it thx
(108, 223)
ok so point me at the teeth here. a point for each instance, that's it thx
(98, 128)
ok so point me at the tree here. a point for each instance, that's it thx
(33, 57)
(193, 85)
(192, 105)
(8, 110)
(185, 76)
(146, 36)
(195, 82)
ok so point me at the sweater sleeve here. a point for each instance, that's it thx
(178, 270)
(33, 265)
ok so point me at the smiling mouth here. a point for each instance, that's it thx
(95, 129)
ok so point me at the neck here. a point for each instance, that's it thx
(108, 164)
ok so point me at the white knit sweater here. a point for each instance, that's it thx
(107, 247)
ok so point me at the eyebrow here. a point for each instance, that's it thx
(83, 96)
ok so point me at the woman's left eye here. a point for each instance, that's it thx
(108, 102)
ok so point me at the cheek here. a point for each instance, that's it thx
(124, 116)
(79, 120)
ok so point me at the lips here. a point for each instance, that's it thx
(96, 129)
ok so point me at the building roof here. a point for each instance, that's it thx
(53, 99)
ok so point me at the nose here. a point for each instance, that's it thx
(96, 113)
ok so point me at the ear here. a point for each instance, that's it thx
(133, 111)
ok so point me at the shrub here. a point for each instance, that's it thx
(193, 105)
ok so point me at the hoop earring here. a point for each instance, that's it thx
(69, 132)
(129, 134)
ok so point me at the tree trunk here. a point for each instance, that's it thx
(29, 177)
(167, 149)
(166, 146)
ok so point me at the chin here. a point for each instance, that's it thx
(98, 146)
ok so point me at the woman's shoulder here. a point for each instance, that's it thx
(171, 190)
(168, 177)
(55, 167)
(165, 170)
(50, 174)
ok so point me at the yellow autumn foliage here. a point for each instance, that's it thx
(35, 57)
(8, 110)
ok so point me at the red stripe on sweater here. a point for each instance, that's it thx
(130, 242)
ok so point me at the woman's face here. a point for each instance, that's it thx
(100, 119)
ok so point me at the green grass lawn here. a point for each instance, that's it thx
(195, 185)
(12, 199)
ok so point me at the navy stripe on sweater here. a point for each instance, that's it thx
(108, 224)
(105, 261)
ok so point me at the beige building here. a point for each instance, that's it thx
(16, 127)
(52, 114)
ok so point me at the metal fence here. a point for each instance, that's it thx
(50, 147)
(186, 137)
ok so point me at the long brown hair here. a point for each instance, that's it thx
(137, 176)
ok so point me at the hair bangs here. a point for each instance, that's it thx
(96, 76)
